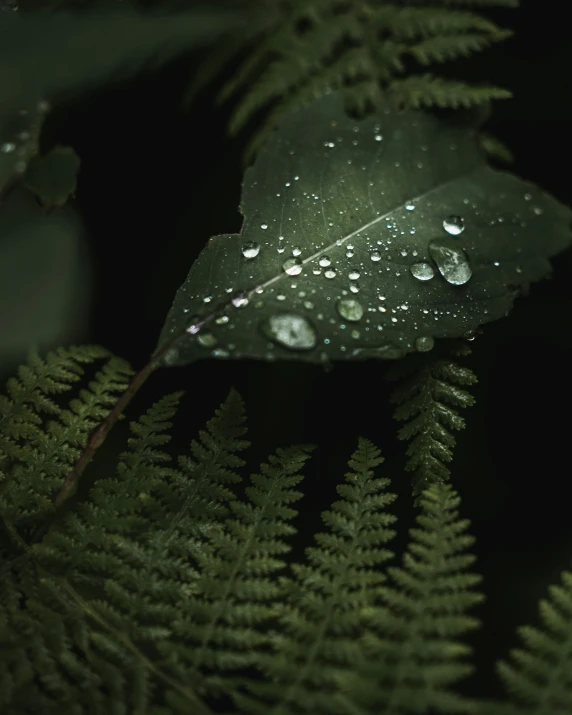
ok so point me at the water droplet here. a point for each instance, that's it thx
(410, 207)
(308, 305)
(325, 261)
(8, 147)
(292, 266)
(250, 249)
(290, 330)
(264, 226)
(354, 288)
(454, 225)
(171, 356)
(207, 298)
(378, 137)
(350, 309)
(375, 256)
(353, 275)
(330, 273)
(452, 262)
(537, 210)
(220, 353)
(424, 344)
(207, 340)
(296, 251)
(240, 300)
(422, 271)
(221, 320)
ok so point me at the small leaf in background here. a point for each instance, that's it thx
(53, 177)
(363, 239)
(19, 140)
(48, 56)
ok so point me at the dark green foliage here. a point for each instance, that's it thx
(365, 49)
(161, 590)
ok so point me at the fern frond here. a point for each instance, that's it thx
(226, 627)
(495, 148)
(412, 656)
(538, 677)
(358, 47)
(427, 403)
(328, 597)
(36, 455)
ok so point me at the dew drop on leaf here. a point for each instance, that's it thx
(424, 344)
(296, 251)
(250, 249)
(375, 256)
(239, 300)
(207, 340)
(422, 271)
(325, 261)
(292, 266)
(221, 320)
(350, 309)
(330, 273)
(454, 225)
(291, 331)
(353, 275)
(452, 262)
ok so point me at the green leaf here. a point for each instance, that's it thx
(365, 239)
(45, 56)
(53, 177)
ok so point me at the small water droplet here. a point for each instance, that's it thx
(424, 344)
(222, 319)
(325, 261)
(316, 271)
(350, 309)
(207, 298)
(378, 137)
(292, 266)
(291, 331)
(220, 353)
(409, 206)
(264, 226)
(452, 262)
(296, 251)
(454, 225)
(8, 147)
(353, 275)
(280, 296)
(207, 340)
(330, 273)
(240, 300)
(308, 305)
(375, 256)
(171, 356)
(537, 210)
(250, 249)
(422, 271)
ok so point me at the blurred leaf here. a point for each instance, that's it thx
(45, 56)
(365, 239)
(53, 177)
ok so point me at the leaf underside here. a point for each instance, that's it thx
(356, 207)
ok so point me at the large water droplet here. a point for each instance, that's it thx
(422, 271)
(375, 256)
(292, 266)
(350, 309)
(296, 251)
(452, 262)
(353, 275)
(330, 273)
(250, 249)
(454, 225)
(240, 300)
(325, 261)
(291, 331)
(424, 344)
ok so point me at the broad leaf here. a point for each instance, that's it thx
(365, 239)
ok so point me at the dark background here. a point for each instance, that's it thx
(156, 182)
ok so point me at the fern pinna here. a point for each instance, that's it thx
(161, 591)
